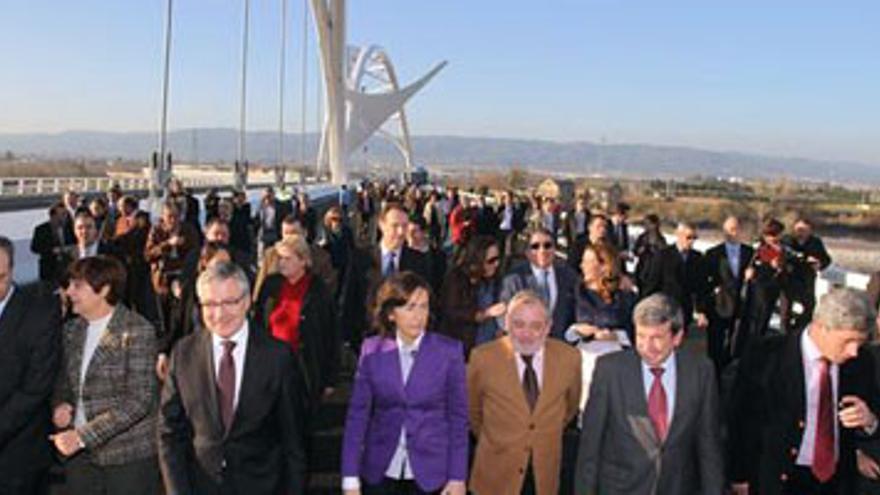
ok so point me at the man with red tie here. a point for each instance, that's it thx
(231, 415)
(651, 424)
(798, 404)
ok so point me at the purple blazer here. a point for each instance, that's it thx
(432, 406)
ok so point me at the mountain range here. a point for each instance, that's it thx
(581, 157)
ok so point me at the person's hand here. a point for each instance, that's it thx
(62, 415)
(67, 442)
(175, 240)
(814, 262)
(176, 289)
(328, 391)
(740, 488)
(867, 466)
(702, 320)
(749, 274)
(356, 491)
(454, 488)
(162, 366)
(627, 284)
(585, 329)
(605, 335)
(854, 413)
(496, 310)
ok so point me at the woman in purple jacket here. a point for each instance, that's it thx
(407, 428)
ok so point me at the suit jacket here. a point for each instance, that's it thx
(619, 240)
(619, 449)
(723, 287)
(262, 453)
(769, 408)
(43, 243)
(508, 433)
(431, 406)
(30, 356)
(521, 277)
(120, 391)
(680, 280)
(410, 260)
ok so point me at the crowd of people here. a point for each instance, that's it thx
(194, 355)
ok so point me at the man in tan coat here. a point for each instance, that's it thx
(523, 390)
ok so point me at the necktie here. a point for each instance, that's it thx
(226, 384)
(823, 448)
(545, 285)
(657, 405)
(390, 266)
(530, 382)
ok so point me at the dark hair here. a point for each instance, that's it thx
(474, 255)
(216, 221)
(210, 250)
(394, 292)
(772, 227)
(418, 220)
(9, 247)
(391, 206)
(55, 207)
(290, 219)
(100, 271)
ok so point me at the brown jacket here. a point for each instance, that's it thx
(508, 434)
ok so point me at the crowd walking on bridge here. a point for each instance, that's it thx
(194, 354)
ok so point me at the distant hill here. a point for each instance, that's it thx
(633, 160)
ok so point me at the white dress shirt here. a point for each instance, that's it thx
(507, 218)
(668, 379)
(537, 365)
(94, 331)
(6, 299)
(384, 258)
(238, 354)
(811, 356)
(551, 281)
(88, 251)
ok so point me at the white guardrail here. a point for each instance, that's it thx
(47, 186)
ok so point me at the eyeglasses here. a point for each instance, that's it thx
(493, 260)
(230, 303)
(691, 238)
(538, 245)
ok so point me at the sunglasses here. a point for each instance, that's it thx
(493, 260)
(692, 238)
(538, 245)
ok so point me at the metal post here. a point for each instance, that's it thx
(243, 109)
(279, 173)
(163, 126)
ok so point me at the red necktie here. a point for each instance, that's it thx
(226, 384)
(823, 447)
(657, 405)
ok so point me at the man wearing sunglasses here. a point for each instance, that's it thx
(678, 272)
(549, 277)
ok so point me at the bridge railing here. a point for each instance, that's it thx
(47, 186)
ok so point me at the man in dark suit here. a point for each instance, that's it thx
(677, 272)
(48, 240)
(726, 272)
(86, 243)
(231, 414)
(799, 293)
(799, 403)
(651, 424)
(597, 233)
(30, 350)
(392, 255)
(551, 279)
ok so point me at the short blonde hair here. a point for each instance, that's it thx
(297, 244)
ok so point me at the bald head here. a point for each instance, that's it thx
(731, 229)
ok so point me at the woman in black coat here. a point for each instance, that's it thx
(293, 306)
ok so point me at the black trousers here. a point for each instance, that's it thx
(802, 482)
(25, 483)
(390, 486)
(134, 478)
(528, 485)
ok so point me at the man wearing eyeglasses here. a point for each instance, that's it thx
(549, 277)
(677, 271)
(231, 410)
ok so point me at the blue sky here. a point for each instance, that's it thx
(783, 77)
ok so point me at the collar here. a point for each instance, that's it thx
(385, 252)
(668, 364)
(414, 347)
(239, 337)
(7, 298)
(809, 348)
(538, 271)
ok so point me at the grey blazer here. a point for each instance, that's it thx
(121, 392)
(619, 451)
(520, 278)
